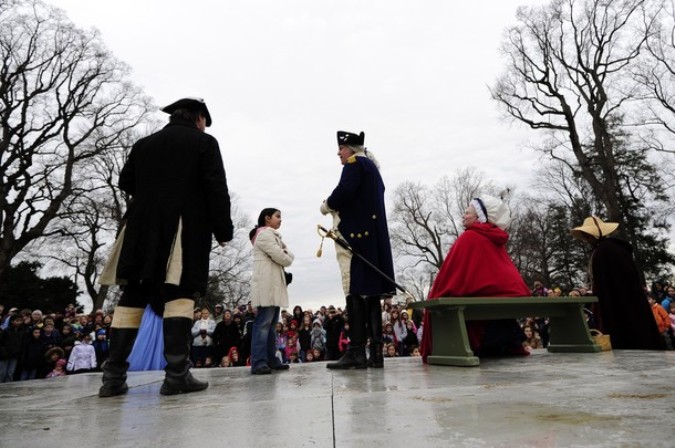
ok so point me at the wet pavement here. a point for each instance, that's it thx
(609, 399)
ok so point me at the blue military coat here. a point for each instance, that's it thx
(359, 201)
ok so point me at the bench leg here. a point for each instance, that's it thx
(450, 340)
(569, 333)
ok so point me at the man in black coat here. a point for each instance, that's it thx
(225, 336)
(179, 201)
(333, 324)
(11, 346)
(357, 206)
(623, 311)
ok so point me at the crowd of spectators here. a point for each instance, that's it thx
(36, 345)
(222, 338)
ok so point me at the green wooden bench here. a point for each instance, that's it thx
(568, 329)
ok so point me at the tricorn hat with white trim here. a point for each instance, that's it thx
(349, 139)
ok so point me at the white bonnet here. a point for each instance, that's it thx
(493, 210)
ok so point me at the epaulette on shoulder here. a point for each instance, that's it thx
(352, 159)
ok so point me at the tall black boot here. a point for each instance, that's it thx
(177, 378)
(115, 368)
(374, 324)
(355, 357)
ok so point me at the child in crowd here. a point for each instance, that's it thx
(305, 335)
(51, 358)
(662, 319)
(660, 315)
(391, 351)
(292, 329)
(532, 338)
(67, 339)
(293, 357)
(233, 358)
(388, 336)
(101, 346)
(293, 346)
(410, 339)
(59, 369)
(281, 341)
(318, 337)
(83, 356)
(671, 316)
(343, 341)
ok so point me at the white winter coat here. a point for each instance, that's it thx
(203, 324)
(270, 256)
(83, 356)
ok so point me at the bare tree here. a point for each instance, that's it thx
(656, 74)
(569, 73)
(64, 103)
(417, 229)
(566, 74)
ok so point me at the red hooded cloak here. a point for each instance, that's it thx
(477, 265)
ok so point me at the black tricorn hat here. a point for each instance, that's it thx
(349, 139)
(189, 103)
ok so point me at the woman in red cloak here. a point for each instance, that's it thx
(478, 265)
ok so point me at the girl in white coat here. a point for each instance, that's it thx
(268, 290)
(83, 356)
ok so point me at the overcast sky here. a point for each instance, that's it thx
(281, 77)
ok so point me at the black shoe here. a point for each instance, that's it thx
(376, 357)
(281, 367)
(189, 384)
(112, 391)
(355, 358)
(261, 371)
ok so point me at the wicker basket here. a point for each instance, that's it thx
(601, 340)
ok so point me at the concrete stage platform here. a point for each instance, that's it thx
(611, 399)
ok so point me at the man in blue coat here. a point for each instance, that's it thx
(180, 202)
(357, 206)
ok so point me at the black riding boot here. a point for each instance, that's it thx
(374, 323)
(355, 357)
(115, 368)
(177, 378)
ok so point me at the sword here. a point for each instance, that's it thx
(323, 233)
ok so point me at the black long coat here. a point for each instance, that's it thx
(174, 174)
(359, 200)
(624, 312)
(225, 336)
